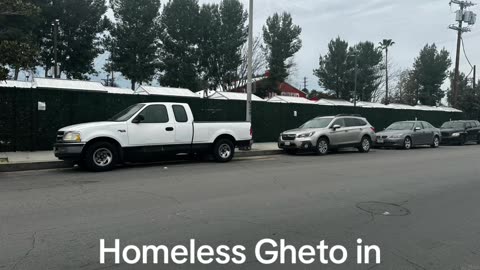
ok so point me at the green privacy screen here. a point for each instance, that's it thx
(25, 128)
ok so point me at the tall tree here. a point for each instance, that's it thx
(80, 25)
(469, 97)
(18, 47)
(233, 35)
(406, 89)
(223, 32)
(134, 39)
(332, 71)
(210, 45)
(430, 71)
(180, 37)
(282, 42)
(385, 44)
(369, 69)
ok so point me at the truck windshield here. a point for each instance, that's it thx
(127, 113)
(458, 125)
(401, 126)
(317, 123)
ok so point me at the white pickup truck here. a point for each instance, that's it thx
(145, 131)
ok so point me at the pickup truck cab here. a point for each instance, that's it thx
(146, 131)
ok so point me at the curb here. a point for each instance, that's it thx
(32, 166)
(46, 165)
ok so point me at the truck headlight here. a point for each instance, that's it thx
(72, 136)
(456, 134)
(306, 135)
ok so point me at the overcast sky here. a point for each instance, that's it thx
(410, 23)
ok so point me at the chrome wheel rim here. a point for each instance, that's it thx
(408, 143)
(224, 150)
(366, 144)
(323, 147)
(436, 142)
(102, 157)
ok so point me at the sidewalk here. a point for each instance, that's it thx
(40, 160)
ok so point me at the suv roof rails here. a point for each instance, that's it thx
(346, 114)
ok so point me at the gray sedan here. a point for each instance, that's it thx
(407, 134)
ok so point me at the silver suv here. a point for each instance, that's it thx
(322, 134)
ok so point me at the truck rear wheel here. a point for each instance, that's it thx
(101, 157)
(223, 150)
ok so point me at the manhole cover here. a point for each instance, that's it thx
(383, 209)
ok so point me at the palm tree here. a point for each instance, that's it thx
(384, 45)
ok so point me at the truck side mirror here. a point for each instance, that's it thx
(335, 127)
(138, 119)
(418, 128)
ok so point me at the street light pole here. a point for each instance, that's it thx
(355, 55)
(355, 84)
(250, 62)
(55, 33)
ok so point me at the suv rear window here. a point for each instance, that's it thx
(354, 122)
(360, 122)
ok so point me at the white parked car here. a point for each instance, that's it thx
(145, 131)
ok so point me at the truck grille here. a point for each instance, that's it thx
(60, 136)
(288, 137)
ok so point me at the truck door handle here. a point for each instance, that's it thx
(169, 129)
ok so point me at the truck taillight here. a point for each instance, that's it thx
(373, 129)
(251, 131)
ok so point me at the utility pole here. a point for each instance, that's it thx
(304, 82)
(461, 16)
(250, 62)
(55, 58)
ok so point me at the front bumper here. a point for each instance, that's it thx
(389, 142)
(298, 144)
(451, 139)
(68, 151)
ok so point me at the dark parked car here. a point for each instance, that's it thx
(460, 132)
(407, 134)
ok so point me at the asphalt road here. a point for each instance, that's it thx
(421, 207)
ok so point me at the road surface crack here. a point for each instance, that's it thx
(34, 239)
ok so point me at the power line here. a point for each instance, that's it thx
(464, 53)
(466, 57)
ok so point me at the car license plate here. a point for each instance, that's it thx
(380, 140)
(287, 143)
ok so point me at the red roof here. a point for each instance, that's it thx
(287, 88)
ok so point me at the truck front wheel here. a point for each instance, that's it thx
(101, 156)
(223, 150)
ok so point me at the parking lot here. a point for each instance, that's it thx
(419, 206)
